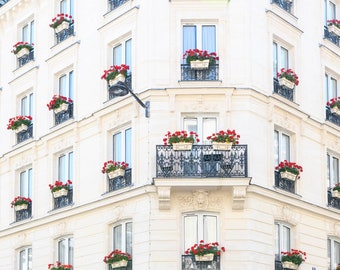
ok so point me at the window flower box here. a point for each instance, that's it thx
(199, 64)
(20, 203)
(19, 123)
(224, 140)
(182, 146)
(288, 78)
(59, 188)
(117, 259)
(59, 266)
(204, 258)
(292, 259)
(336, 191)
(61, 22)
(181, 140)
(200, 59)
(115, 74)
(122, 263)
(22, 48)
(334, 26)
(334, 105)
(289, 265)
(205, 252)
(114, 169)
(59, 103)
(289, 170)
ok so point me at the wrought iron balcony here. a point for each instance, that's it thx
(25, 134)
(65, 34)
(278, 265)
(113, 4)
(26, 58)
(201, 161)
(189, 74)
(128, 267)
(189, 263)
(331, 36)
(2, 2)
(64, 115)
(64, 200)
(284, 4)
(333, 201)
(285, 184)
(283, 91)
(332, 117)
(128, 80)
(121, 181)
(24, 214)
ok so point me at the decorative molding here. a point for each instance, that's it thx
(239, 197)
(164, 197)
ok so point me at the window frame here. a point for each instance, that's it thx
(124, 150)
(124, 246)
(330, 13)
(124, 56)
(26, 104)
(332, 178)
(278, 62)
(68, 8)
(27, 174)
(66, 87)
(27, 36)
(332, 263)
(28, 255)
(331, 91)
(279, 245)
(278, 148)
(69, 250)
(65, 171)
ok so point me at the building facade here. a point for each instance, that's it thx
(167, 200)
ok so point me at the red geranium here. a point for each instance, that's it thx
(225, 136)
(17, 121)
(62, 17)
(19, 200)
(180, 136)
(116, 256)
(113, 71)
(111, 165)
(289, 75)
(58, 185)
(59, 266)
(202, 249)
(57, 100)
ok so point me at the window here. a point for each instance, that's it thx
(204, 125)
(66, 84)
(331, 87)
(122, 237)
(65, 167)
(27, 32)
(25, 184)
(26, 105)
(65, 250)
(66, 6)
(122, 54)
(25, 259)
(281, 147)
(330, 11)
(122, 146)
(333, 250)
(282, 239)
(200, 36)
(332, 170)
(280, 58)
(199, 226)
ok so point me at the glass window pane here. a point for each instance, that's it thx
(117, 55)
(284, 58)
(335, 171)
(128, 54)
(62, 251)
(70, 85)
(70, 166)
(285, 147)
(332, 10)
(128, 244)
(275, 60)
(30, 105)
(62, 168)
(117, 237)
(23, 184)
(209, 127)
(22, 259)
(333, 88)
(117, 147)
(63, 6)
(189, 37)
(285, 238)
(276, 148)
(128, 147)
(31, 32)
(190, 231)
(210, 229)
(277, 241)
(209, 38)
(24, 106)
(327, 88)
(25, 34)
(70, 250)
(29, 184)
(329, 252)
(329, 171)
(190, 124)
(62, 86)
(29, 259)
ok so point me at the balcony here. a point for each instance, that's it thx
(278, 265)
(121, 181)
(332, 117)
(64, 115)
(113, 4)
(65, 34)
(331, 36)
(64, 200)
(24, 214)
(189, 263)
(26, 58)
(25, 134)
(283, 91)
(128, 80)
(284, 4)
(284, 184)
(209, 74)
(333, 201)
(2, 2)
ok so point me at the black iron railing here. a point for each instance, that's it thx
(278, 265)
(209, 74)
(285, 4)
(332, 37)
(333, 201)
(332, 117)
(285, 184)
(64, 200)
(201, 161)
(26, 58)
(282, 90)
(25, 134)
(128, 267)
(24, 214)
(64, 115)
(121, 181)
(189, 263)
(2, 2)
(66, 33)
(113, 4)
(128, 80)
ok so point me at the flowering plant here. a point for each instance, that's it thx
(110, 166)
(334, 22)
(334, 102)
(15, 122)
(60, 18)
(336, 187)
(225, 136)
(58, 185)
(116, 256)
(180, 136)
(20, 45)
(57, 100)
(289, 75)
(196, 54)
(19, 200)
(202, 249)
(59, 266)
(113, 71)
(295, 256)
(291, 167)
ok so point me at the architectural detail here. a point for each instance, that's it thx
(164, 197)
(239, 197)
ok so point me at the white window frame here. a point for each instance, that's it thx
(25, 264)
(122, 150)
(190, 237)
(26, 104)
(330, 11)
(122, 53)
(331, 86)
(280, 152)
(333, 258)
(280, 245)
(25, 182)
(68, 252)
(66, 168)
(201, 128)
(66, 6)
(66, 84)
(279, 59)
(333, 169)
(27, 32)
(122, 243)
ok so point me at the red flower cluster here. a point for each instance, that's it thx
(111, 165)
(196, 54)
(225, 136)
(62, 17)
(59, 266)
(334, 22)
(116, 256)
(15, 122)
(289, 75)
(57, 100)
(20, 200)
(180, 136)
(202, 249)
(336, 187)
(59, 185)
(334, 102)
(20, 45)
(289, 166)
(113, 71)
(295, 256)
